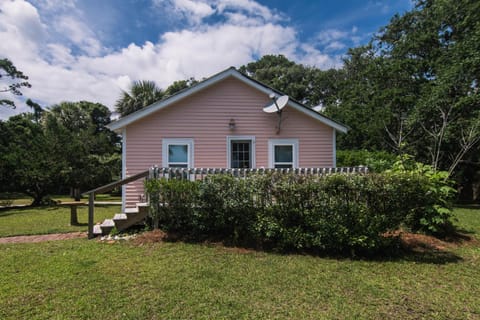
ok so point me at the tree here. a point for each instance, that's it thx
(86, 149)
(142, 93)
(295, 80)
(12, 74)
(37, 109)
(27, 161)
(65, 147)
(440, 41)
(180, 85)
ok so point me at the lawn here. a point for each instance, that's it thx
(21, 199)
(43, 220)
(82, 279)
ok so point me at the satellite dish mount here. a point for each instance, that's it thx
(276, 107)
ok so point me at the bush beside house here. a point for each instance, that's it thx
(283, 212)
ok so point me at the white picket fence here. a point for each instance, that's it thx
(199, 173)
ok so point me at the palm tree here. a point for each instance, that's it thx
(142, 93)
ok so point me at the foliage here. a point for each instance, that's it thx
(308, 85)
(27, 162)
(142, 93)
(87, 150)
(8, 70)
(436, 193)
(179, 85)
(376, 161)
(67, 146)
(292, 212)
(414, 89)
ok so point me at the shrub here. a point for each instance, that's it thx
(376, 161)
(434, 195)
(284, 212)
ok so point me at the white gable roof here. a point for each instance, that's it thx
(230, 72)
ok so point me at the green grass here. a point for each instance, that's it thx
(21, 199)
(82, 279)
(468, 220)
(43, 220)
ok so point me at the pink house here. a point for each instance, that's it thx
(220, 123)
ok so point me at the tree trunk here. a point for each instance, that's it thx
(76, 194)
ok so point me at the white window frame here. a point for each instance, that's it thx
(177, 141)
(282, 142)
(229, 149)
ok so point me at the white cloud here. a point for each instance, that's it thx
(196, 10)
(78, 33)
(53, 44)
(21, 29)
(251, 8)
(327, 36)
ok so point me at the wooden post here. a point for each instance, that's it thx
(91, 212)
(73, 215)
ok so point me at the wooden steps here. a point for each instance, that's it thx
(122, 221)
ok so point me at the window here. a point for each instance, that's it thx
(177, 153)
(241, 152)
(283, 153)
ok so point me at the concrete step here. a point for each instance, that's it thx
(119, 217)
(121, 221)
(107, 225)
(97, 230)
(130, 210)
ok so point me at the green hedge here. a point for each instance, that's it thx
(376, 161)
(283, 212)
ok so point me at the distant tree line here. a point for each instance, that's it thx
(64, 149)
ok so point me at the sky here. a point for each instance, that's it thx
(91, 50)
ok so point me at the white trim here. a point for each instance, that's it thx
(229, 151)
(285, 142)
(334, 148)
(230, 72)
(183, 141)
(124, 167)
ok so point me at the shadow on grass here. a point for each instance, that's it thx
(394, 252)
(8, 211)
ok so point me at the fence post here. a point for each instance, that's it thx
(91, 213)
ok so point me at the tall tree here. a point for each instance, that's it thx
(141, 94)
(179, 85)
(14, 77)
(88, 151)
(287, 76)
(27, 162)
(440, 41)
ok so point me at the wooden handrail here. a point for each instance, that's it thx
(115, 184)
(107, 187)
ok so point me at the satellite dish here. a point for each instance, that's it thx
(277, 105)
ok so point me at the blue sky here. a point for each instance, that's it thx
(92, 49)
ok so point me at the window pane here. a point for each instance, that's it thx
(283, 154)
(240, 154)
(178, 153)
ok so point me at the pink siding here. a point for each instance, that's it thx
(204, 116)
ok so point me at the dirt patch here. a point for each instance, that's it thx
(150, 237)
(409, 241)
(422, 243)
(44, 237)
